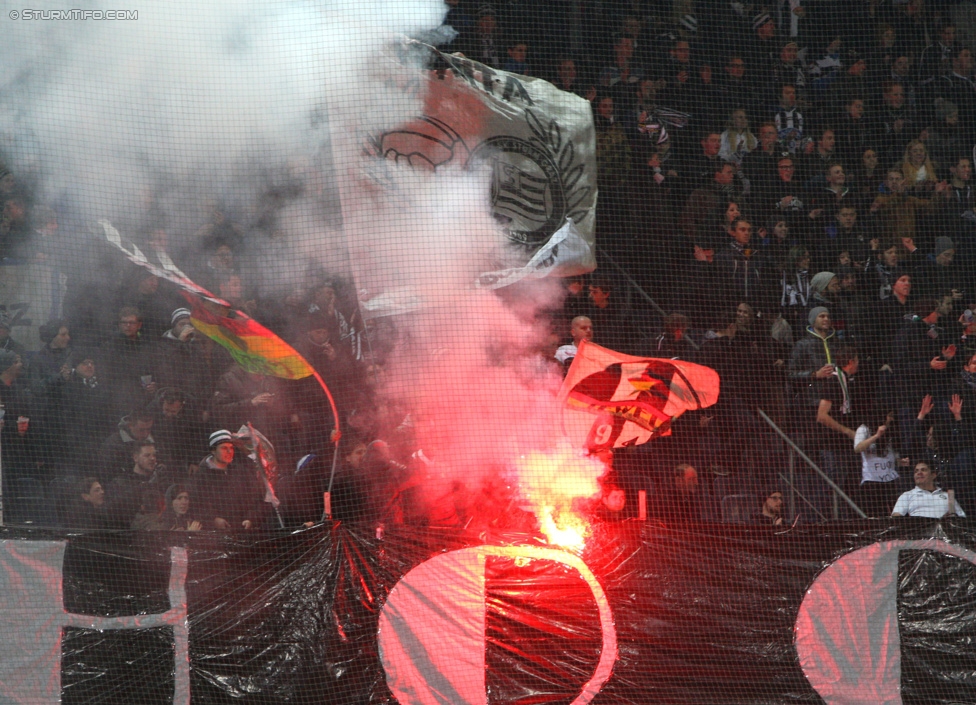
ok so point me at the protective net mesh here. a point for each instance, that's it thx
(605, 288)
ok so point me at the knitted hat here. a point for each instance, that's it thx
(820, 281)
(7, 359)
(943, 243)
(761, 19)
(174, 491)
(814, 312)
(179, 314)
(221, 436)
(689, 22)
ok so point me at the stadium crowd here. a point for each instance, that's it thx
(791, 184)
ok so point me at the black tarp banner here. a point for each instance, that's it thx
(868, 612)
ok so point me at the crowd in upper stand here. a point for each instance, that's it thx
(784, 179)
(791, 183)
(126, 408)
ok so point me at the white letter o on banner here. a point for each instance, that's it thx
(847, 626)
(432, 628)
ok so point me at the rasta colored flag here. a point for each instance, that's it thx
(612, 400)
(253, 347)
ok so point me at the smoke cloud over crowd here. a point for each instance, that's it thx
(263, 112)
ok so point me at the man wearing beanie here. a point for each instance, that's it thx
(86, 407)
(892, 313)
(824, 287)
(226, 492)
(812, 357)
(50, 362)
(180, 330)
(762, 47)
(825, 291)
(190, 362)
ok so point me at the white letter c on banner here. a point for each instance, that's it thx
(432, 627)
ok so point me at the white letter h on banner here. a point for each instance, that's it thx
(32, 617)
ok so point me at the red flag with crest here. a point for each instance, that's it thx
(612, 400)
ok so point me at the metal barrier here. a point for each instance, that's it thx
(643, 294)
(795, 450)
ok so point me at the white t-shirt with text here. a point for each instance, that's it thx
(875, 467)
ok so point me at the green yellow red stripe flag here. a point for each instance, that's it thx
(253, 347)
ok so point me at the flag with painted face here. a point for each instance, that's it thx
(612, 400)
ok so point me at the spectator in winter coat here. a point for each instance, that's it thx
(87, 412)
(47, 375)
(137, 493)
(180, 434)
(795, 285)
(741, 269)
(129, 364)
(190, 362)
(897, 210)
(812, 356)
(226, 492)
(924, 356)
(939, 274)
(86, 508)
(115, 451)
(17, 433)
(266, 402)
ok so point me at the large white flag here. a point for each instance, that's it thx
(538, 141)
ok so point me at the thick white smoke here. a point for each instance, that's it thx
(191, 101)
(213, 102)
